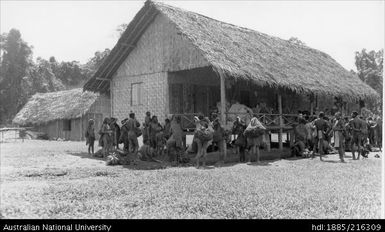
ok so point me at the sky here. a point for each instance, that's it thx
(75, 30)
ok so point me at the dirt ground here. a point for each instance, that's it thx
(58, 179)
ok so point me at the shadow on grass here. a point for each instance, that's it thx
(261, 163)
(295, 158)
(84, 155)
(232, 159)
(331, 161)
(136, 165)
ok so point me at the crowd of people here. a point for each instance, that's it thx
(323, 134)
(313, 135)
(155, 135)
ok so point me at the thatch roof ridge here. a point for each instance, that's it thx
(247, 54)
(242, 53)
(160, 4)
(45, 107)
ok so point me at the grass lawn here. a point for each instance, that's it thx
(52, 179)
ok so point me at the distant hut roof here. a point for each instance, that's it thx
(46, 107)
(242, 54)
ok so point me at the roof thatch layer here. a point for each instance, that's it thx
(45, 107)
(241, 53)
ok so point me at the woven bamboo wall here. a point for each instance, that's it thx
(160, 50)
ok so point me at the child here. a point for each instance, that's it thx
(240, 142)
(90, 136)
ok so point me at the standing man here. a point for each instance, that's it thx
(146, 128)
(310, 132)
(175, 142)
(219, 137)
(90, 136)
(339, 135)
(203, 136)
(372, 132)
(115, 132)
(364, 131)
(254, 135)
(124, 135)
(379, 132)
(155, 130)
(133, 128)
(321, 127)
(355, 126)
(240, 141)
(105, 137)
(348, 134)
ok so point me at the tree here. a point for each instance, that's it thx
(297, 41)
(16, 57)
(95, 62)
(21, 77)
(121, 28)
(369, 70)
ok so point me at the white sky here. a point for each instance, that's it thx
(75, 30)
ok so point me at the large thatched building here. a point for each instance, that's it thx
(64, 114)
(172, 61)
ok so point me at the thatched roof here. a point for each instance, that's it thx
(241, 53)
(46, 107)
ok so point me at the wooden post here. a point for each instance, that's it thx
(81, 128)
(292, 136)
(223, 108)
(280, 122)
(111, 99)
(268, 142)
(208, 99)
(311, 108)
(312, 98)
(57, 129)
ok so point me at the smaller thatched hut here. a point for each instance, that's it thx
(64, 114)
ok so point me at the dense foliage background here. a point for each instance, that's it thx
(21, 77)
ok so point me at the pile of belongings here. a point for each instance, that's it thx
(306, 153)
(255, 128)
(118, 157)
(112, 159)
